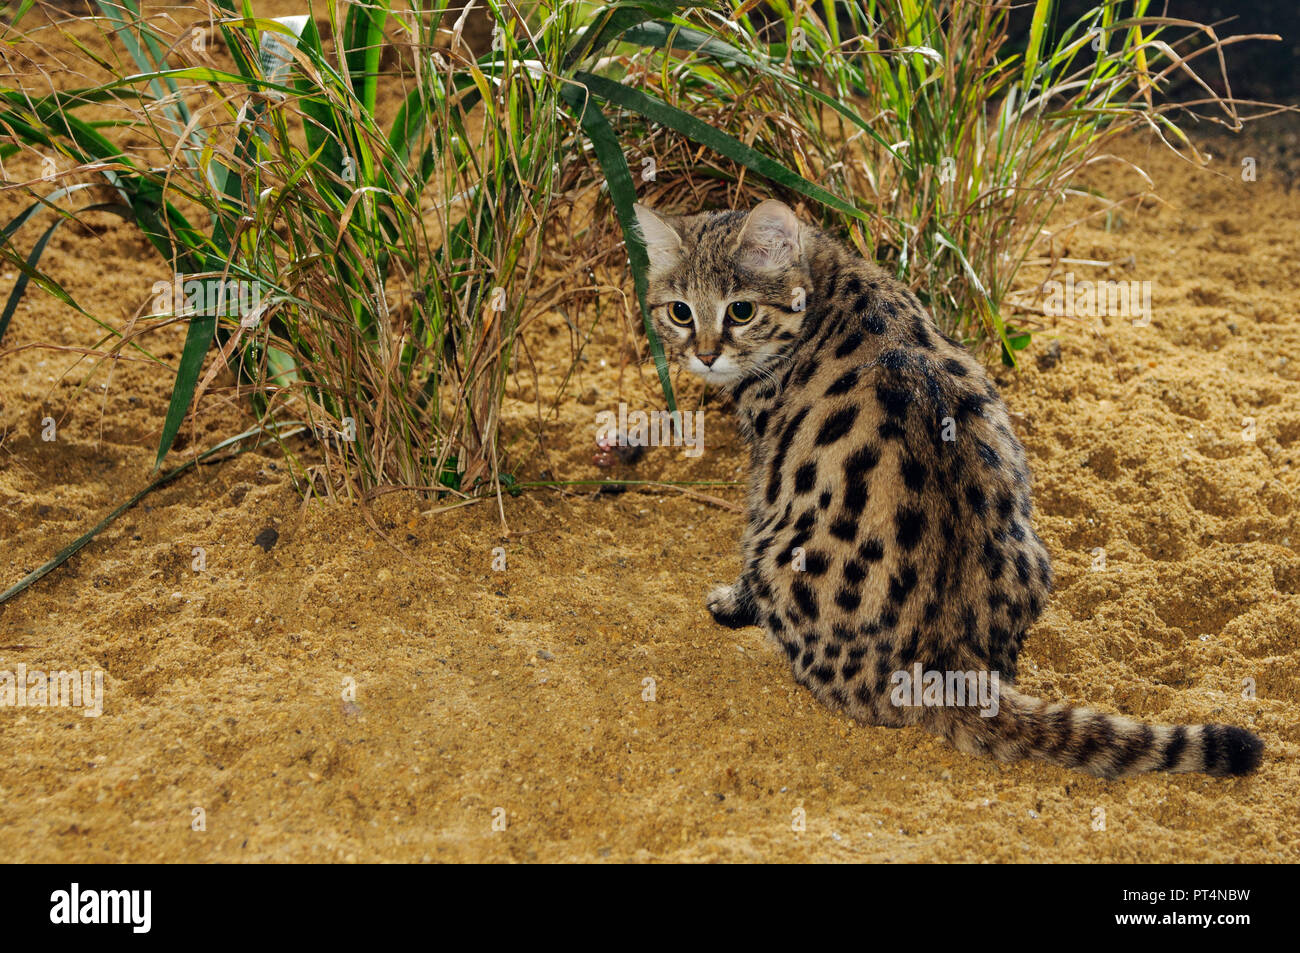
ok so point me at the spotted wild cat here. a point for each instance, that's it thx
(889, 521)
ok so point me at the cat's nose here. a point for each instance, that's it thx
(708, 357)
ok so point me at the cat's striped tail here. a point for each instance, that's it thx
(1109, 746)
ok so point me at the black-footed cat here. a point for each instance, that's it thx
(889, 548)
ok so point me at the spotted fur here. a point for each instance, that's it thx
(890, 520)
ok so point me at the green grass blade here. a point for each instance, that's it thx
(609, 152)
(616, 20)
(656, 110)
(198, 338)
(38, 249)
(670, 36)
(364, 38)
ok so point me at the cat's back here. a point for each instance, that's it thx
(890, 465)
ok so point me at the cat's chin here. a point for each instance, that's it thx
(723, 371)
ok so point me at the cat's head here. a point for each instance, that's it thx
(727, 290)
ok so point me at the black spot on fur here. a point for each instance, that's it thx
(1022, 568)
(971, 405)
(845, 528)
(1044, 572)
(871, 551)
(824, 501)
(894, 401)
(914, 473)
(910, 523)
(760, 423)
(921, 332)
(807, 599)
(856, 467)
(815, 563)
(993, 559)
(895, 359)
(976, 500)
(805, 478)
(848, 599)
(851, 343)
(955, 367)
(783, 447)
(901, 585)
(836, 426)
(853, 572)
(843, 384)
(860, 462)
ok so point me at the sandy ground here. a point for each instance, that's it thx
(333, 698)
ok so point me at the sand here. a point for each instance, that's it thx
(332, 697)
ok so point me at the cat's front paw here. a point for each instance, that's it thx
(731, 607)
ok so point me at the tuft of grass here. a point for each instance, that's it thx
(382, 187)
(386, 249)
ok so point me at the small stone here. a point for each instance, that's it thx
(267, 538)
(544, 655)
(1050, 357)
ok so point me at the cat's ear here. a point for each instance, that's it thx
(769, 240)
(662, 242)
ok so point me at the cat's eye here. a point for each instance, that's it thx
(679, 312)
(740, 312)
